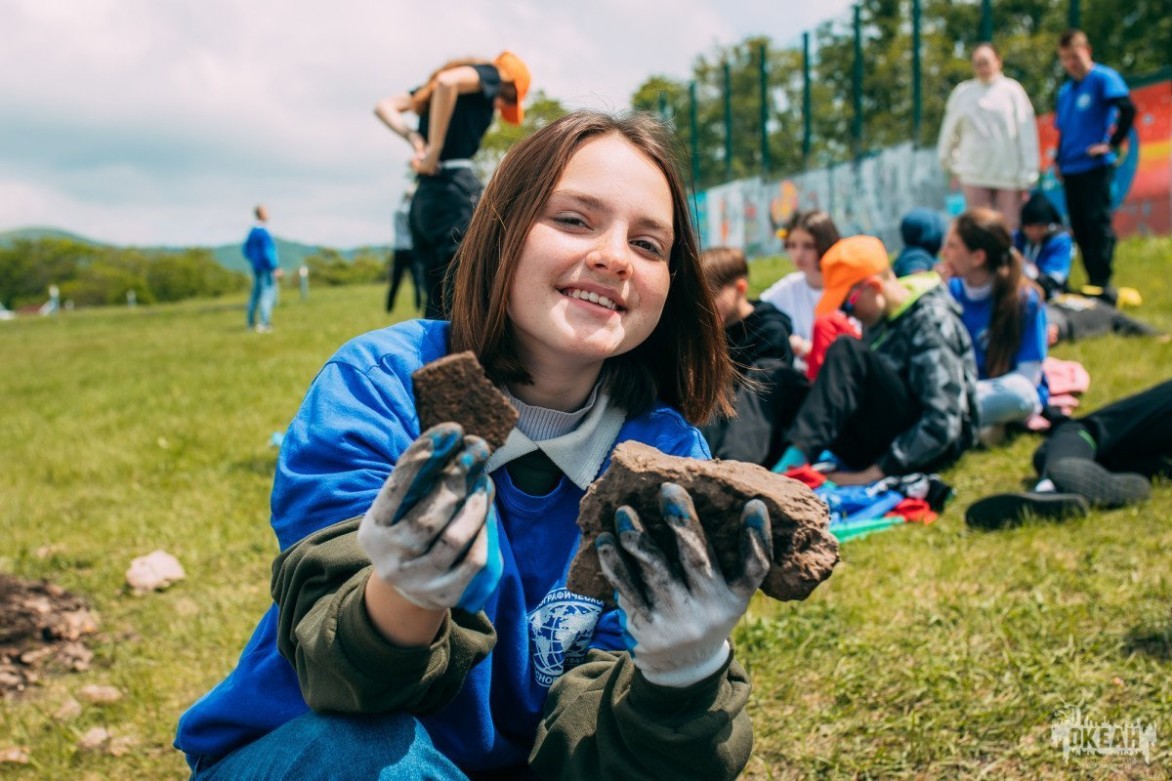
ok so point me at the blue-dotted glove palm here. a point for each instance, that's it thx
(432, 530)
(677, 629)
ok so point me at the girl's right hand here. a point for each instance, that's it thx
(418, 143)
(431, 532)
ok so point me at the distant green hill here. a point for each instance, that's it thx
(292, 253)
(7, 237)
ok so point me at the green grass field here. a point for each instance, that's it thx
(933, 652)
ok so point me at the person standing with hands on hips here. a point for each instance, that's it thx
(1093, 117)
(422, 627)
(989, 138)
(455, 108)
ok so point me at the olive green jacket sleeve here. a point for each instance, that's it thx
(342, 661)
(603, 719)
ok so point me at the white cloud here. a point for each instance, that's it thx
(135, 121)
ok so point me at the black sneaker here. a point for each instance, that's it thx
(1001, 511)
(1102, 487)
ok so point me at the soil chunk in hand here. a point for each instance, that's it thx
(804, 550)
(455, 388)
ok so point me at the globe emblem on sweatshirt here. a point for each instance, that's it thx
(560, 630)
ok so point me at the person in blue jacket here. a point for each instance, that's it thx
(422, 627)
(922, 231)
(1046, 247)
(261, 252)
(1003, 314)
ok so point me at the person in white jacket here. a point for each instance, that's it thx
(989, 138)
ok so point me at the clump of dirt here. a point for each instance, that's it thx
(41, 631)
(804, 550)
(455, 388)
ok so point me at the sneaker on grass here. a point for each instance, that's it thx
(1001, 511)
(1101, 487)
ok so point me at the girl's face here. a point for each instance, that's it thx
(592, 278)
(960, 259)
(986, 64)
(803, 252)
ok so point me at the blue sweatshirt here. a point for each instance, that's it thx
(260, 249)
(1084, 116)
(978, 314)
(1052, 256)
(357, 418)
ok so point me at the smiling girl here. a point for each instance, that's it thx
(422, 628)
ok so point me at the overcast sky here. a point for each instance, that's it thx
(165, 121)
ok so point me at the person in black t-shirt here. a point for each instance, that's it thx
(455, 107)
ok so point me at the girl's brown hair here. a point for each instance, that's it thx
(985, 229)
(684, 361)
(723, 266)
(819, 225)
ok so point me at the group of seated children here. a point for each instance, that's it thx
(951, 350)
(901, 399)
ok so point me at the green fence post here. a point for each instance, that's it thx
(986, 20)
(693, 126)
(728, 141)
(807, 123)
(857, 83)
(917, 71)
(763, 81)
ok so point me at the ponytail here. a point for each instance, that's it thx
(985, 229)
(1008, 320)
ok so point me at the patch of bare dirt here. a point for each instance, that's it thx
(42, 631)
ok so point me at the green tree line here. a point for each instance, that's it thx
(329, 267)
(91, 275)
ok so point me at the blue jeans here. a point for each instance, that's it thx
(1010, 398)
(335, 747)
(264, 295)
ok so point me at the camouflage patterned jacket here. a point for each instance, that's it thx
(927, 346)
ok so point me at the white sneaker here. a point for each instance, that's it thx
(261, 328)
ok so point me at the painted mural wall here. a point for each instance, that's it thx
(871, 195)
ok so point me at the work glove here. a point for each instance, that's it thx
(677, 629)
(432, 530)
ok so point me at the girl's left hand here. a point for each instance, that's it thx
(425, 163)
(677, 629)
